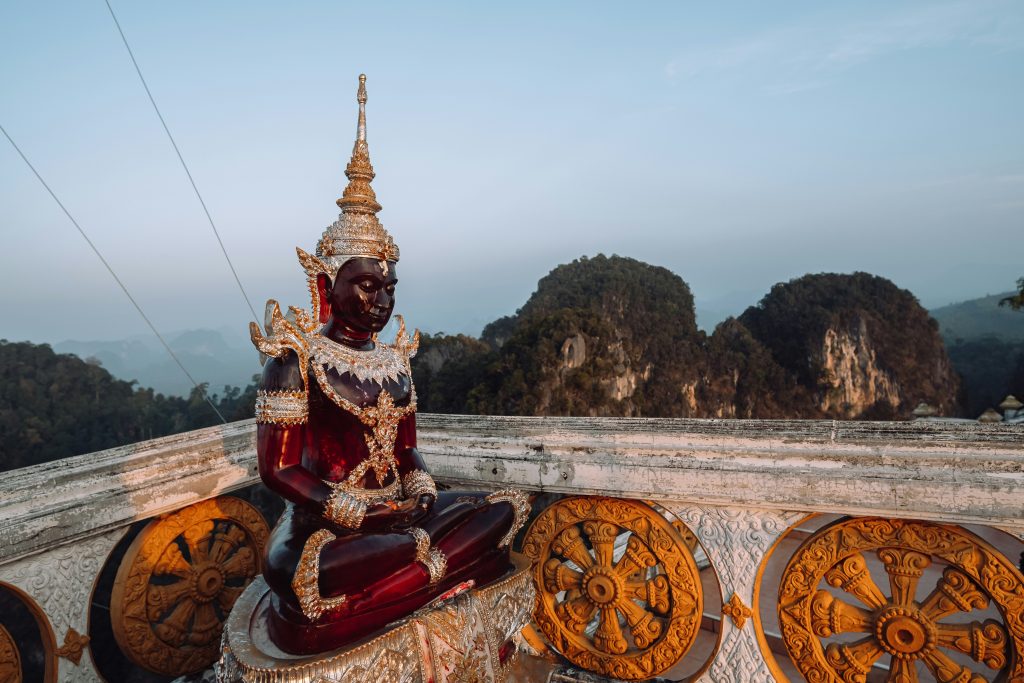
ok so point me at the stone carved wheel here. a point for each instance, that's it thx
(938, 633)
(618, 592)
(179, 579)
(10, 658)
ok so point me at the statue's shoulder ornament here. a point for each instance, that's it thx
(283, 338)
(297, 333)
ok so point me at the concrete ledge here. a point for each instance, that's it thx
(968, 473)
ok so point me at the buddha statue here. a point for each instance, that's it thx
(366, 537)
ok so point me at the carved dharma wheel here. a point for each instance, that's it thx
(10, 659)
(179, 579)
(618, 592)
(936, 629)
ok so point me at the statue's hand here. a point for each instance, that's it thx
(402, 514)
(426, 502)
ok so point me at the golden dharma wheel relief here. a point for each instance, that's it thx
(179, 579)
(618, 592)
(942, 632)
(10, 658)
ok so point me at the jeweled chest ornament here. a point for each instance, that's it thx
(378, 365)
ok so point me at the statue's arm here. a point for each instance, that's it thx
(281, 415)
(416, 480)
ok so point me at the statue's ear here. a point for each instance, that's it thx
(323, 285)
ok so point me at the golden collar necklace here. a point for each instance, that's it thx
(377, 365)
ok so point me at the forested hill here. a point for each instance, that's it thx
(857, 345)
(614, 336)
(602, 336)
(980, 319)
(57, 405)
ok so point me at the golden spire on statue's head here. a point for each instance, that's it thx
(357, 232)
(359, 196)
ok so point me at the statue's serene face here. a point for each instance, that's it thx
(362, 295)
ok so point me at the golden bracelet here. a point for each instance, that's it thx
(437, 565)
(418, 483)
(345, 510)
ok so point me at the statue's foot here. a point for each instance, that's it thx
(369, 612)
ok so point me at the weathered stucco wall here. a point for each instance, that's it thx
(957, 473)
(738, 484)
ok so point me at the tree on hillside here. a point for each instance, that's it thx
(826, 328)
(1016, 301)
(55, 405)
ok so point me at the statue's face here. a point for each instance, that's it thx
(362, 296)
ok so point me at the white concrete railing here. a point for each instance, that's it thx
(727, 479)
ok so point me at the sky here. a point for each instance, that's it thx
(737, 144)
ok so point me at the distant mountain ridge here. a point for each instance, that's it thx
(979, 318)
(986, 343)
(54, 405)
(722, 372)
(206, 354)
(612, 336)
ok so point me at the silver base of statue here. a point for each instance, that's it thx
(442, 642)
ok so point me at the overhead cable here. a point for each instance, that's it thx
(183, 164)
(113, 274)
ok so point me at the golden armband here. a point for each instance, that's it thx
(281, 407)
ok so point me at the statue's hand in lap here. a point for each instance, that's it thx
(397, 515)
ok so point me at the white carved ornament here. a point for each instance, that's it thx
(736, 541)
(61, 582)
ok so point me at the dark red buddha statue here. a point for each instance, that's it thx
(366, 537)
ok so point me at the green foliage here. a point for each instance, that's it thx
(991, 368)
(792, 319)
(645, 356)
(57, 405)
(980, 318)
(636, 322)
(1015, 301)
(445, 369)
(742, 373)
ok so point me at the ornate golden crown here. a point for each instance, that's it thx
(357, 232)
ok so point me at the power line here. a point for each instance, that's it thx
(183, 164)
(112, 274)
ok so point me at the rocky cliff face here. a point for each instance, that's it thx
(600, 336)
(617, 337)
(857, 346)
(852, 375)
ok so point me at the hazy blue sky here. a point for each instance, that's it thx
(738, 144)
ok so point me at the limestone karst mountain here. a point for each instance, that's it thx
(857, 345)
(614, 336)
(600, 336)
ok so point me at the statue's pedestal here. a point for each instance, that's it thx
(466, 637)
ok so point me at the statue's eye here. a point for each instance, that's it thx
(391, 289)
(367, 285)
